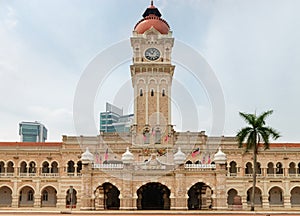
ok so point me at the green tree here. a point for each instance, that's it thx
(251, 136)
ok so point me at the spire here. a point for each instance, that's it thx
(152, 10)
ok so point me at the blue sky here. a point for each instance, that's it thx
(252, 46)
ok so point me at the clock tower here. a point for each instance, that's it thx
(152, 74)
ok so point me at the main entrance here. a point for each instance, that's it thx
(107, 197)
(199, 197)
(153, 196)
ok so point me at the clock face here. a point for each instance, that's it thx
(152, 54)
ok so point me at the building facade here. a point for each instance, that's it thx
(32, 132)
(152, 166)
(113, 120)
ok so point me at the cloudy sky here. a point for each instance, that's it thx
(252, 46)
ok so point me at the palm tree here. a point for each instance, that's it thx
(252, 135)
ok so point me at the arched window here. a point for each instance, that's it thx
(232, 169)
(146, 137)
(54, 167)
(23, 167)
(157, 136)
(10, 167)
(32, 167)
(292, 168)
(279, 169)
(2, 167)
(45, 167)
(71, 168)
(163, 93)
(270, 169)
(152, 93)
(79, 166)
(258, 168)
(248, 169)
(141, 92)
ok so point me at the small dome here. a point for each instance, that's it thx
(87, 155)
(152, 21)
(220, 157)
(127, 157)
(179, 157)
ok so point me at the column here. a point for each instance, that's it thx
(220, 202)
(178, 197)
(15, 194)
(287, 201)
(86, 188)
(5, 170)
(265, 202)
(127, 200)
(244, 202)
(75, 169)
(37, 194)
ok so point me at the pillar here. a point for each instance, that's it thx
(178, 198)
(87, 201)
(127, 201)
(220, 201)
(265, 202)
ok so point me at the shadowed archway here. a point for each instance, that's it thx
(153, 196)
(200, 197)
(107, 197)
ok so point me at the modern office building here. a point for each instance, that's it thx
(113, 120)
(32, 132)
(152, 166)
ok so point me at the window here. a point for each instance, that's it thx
(30, 195)
(32, 168)
(146, 136)
(141, 92)
(71, 167)
(45, 196)
(45, 168)
(152, 93)
(163, 92)
(157, 136)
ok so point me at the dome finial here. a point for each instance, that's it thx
(151, 2)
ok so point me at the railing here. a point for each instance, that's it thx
(274, 175)
(108, 166)
(50, 174)
(200, 166)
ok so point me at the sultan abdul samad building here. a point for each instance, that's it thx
(153, 166)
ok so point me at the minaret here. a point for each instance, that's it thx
(152, 74)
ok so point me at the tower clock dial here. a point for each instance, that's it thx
(152, 54)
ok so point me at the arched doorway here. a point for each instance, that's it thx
(257, 196)
(71, 198)
(276, 196)
(230, 196)
(26, 197)
(5, 196)
(199, 197)
(295, 196)
(107, 197)
(153, 196)
(48, 197)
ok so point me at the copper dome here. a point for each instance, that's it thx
(152, 19)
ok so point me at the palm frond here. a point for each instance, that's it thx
(261, 118)
(248, 117)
